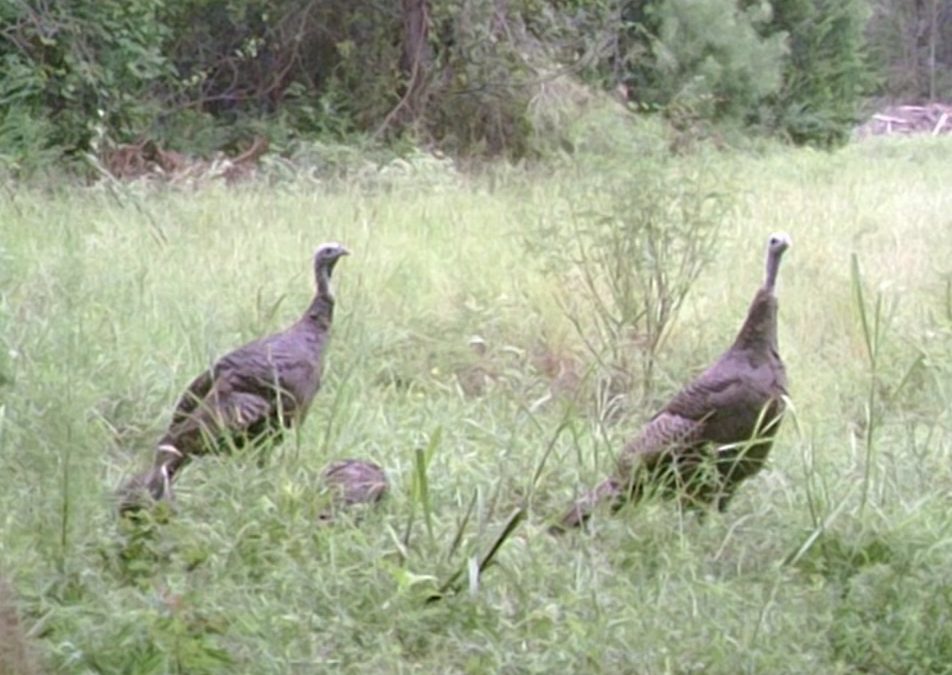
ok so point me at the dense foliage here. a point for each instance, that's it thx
(466, 76)
(910, 44)
(826, 73)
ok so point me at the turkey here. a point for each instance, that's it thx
(353, 481)
(251, 393)
(718, 430)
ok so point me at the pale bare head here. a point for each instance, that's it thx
(776, 245)
(325, 257)
(327, 254)
(779, 242)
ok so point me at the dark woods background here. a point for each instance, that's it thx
(468, 77)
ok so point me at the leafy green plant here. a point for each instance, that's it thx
(873, 324)
(711, 59)
(888, 621)
(825, 74)
(82, 67)
(628, 259)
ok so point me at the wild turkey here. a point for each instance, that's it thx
(715, 432)
(353, 481)
(251, 393)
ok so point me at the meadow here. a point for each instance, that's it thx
(463, 362)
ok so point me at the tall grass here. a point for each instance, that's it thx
(454, 366)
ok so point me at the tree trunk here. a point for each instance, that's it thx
(417, 57)
(933, 38)
(415, 63)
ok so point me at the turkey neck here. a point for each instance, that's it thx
(321, 310)
(759, 332)
(773, 264)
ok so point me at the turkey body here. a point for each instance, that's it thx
(252, 393)
(724, 420)
(351, 482)
(718, 430)
(356, 481)
(257, 390)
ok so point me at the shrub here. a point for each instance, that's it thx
(628, 259)
(711, 60)
(76, 68)
(825, 74)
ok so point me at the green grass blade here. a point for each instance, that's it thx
(856, 280)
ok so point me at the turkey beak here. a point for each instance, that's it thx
(780, 242)
(341, 252)
(331, 263)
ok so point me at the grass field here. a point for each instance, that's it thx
(837, 558)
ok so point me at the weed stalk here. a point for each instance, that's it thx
(872, 328)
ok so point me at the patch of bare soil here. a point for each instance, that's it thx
(147, 159)
(17, 656)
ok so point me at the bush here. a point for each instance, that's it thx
(627, 261)
(70, 69)
(825, 75)
(710, 60)
(462, 75)
(888, 623)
